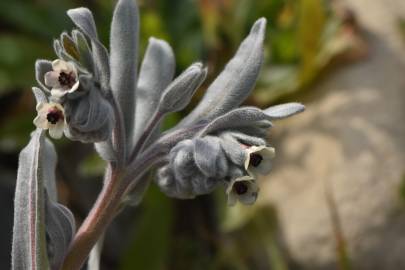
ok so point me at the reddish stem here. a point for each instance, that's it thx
(96, 222)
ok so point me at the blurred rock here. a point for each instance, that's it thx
(352, 138)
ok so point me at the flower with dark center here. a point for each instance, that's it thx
(258, 160)
(54, 115)
(63, 79)
(255, 160)
(51, 116)
(67, 79)
(243, 189)
(240, 188)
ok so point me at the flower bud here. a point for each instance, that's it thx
(90, 118)
(179, 93)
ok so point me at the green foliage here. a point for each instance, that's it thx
(151, 239)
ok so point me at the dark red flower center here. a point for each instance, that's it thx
(54, 116)
(240, 187)
(255, 160)
(67, 79)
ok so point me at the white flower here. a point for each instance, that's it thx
(243, 189)
(63, 79)
(258, 160)
(51, 116)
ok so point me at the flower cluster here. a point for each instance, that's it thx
(71, 100)
(97, 96)
(197, 166)
(89, 94)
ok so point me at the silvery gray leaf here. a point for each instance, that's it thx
(90, 118)
(60, 223)
(60, 229)
(42, 67)
(123, 59)
(40, 96)
(57, 47)
(83, 18)
(49, 157)
(179, 93)
(29, 240)
(182, 160)
(166, 181)
(209, 157)
(259, 129)
(284, 110)
(195, 168)
(84, 50)
(241, 117)
(233, 150)
(243, 138)
(187, 176)
(236, 81)
(157, 71)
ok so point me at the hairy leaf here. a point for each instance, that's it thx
(29, 240)
(284, 110)
(42, 67)
(157, 71)
(236, 118)
(123, 60)
(83, 18)
(236, 81)
(43, 228)
(40, 96)
(179, 93)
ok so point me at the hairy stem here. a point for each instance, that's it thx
(103, 211)
(153, 122)
(96, 222)
(118, 182)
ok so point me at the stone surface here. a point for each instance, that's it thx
(350, 140)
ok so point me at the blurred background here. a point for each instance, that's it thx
(336, 196)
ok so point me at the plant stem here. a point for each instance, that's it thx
(117, 183)
(104, 210)
(96, 222)
(153, 122)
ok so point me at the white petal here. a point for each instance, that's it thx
(264, 167)
(238, 179)
(251, 150)
(59, 65)
(58, 92)
(250, 197)
(56, 131)
(40, 106)
(52, 79)
(268, 153)
(40, 122)
(72, 68)
(74, 87)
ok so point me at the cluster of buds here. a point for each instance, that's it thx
(86, 91)
(71, 100)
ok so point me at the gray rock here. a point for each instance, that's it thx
(351, 139)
